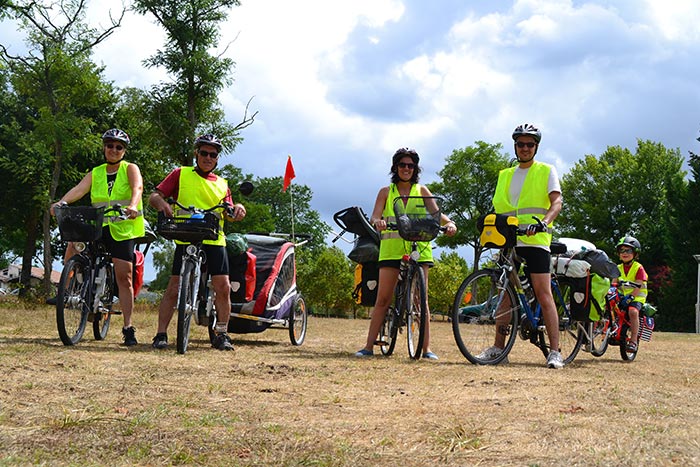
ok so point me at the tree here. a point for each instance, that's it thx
(63, 94)
(189, 105)
(325, 279)
(468, 182)
(622, 193)
(444, 280)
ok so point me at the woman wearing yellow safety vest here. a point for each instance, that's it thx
(404, 182)
(532, 189)
(200, 187)
(116, 182)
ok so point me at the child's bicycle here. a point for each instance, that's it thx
(199, 225)
(87, 286)
(492, 302)
(417, 220)
(620, 329)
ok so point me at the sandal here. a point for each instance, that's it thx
(632, 347)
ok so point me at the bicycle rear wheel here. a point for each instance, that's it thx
(298, 320)
(71, 306)
(388, 332)
(102, 314)
(186, 305)
(571, 332)
(481, 312)
(416, 312)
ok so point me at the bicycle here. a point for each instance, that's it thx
(620, 329)
(417, 220)
(479, 311)
(194, 297)
(87, 286)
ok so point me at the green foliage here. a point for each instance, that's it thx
(325, 280)
(444, 280)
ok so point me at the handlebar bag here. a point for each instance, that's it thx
(497, 230)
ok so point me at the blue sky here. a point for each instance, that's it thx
(341, 85)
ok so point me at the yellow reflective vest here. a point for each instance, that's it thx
(392, 246)
(195, 190)
(120, 229)
(533, 201)
(631, 276)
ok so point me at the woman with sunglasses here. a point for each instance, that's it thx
(404, 182)
(633, 298)
(532, 188)
(115, 182)
(200, 187)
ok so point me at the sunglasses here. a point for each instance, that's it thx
(119, 147)
(625, 250)
(523, 145)
(406, 165)
(213, 155)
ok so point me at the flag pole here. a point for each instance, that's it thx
(291, 209)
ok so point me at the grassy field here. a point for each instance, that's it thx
(270, 403)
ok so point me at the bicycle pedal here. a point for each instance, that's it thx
(380, 343)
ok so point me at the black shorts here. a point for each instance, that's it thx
(216, 260)
(123, 249)
(537, 260)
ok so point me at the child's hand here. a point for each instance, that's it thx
(626, 300)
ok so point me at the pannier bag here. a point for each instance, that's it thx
(366, 282)
(576, 274)
(497, 230)
(242, 276)
(138, 271)
(599, 288)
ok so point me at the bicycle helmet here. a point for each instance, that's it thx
(208, 140)
(115, 134)
(631, 242)
(527, 129)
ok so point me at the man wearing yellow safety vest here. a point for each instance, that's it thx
(200, 187)
(115, 182)
(532, 189)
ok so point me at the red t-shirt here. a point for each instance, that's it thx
(170, 186)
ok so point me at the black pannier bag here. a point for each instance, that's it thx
(366, 283)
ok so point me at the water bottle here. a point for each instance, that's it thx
(527, 289)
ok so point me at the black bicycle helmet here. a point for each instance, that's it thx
(115, 134)
(527, 129)
(209, 140)
(631, 242)
(401, 152)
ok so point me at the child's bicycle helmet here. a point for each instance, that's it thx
(629, 241)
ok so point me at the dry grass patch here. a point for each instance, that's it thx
(270, 403)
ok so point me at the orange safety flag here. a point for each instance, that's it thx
(288, 174)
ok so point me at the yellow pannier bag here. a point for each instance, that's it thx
(497, 230)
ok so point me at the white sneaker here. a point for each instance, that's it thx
(491, 353)
(554, 360)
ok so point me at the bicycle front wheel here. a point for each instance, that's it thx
(388, 332)
(416, 312)
(102, 313)
(625, 336)
(485, 318)
(71, 306)
(600, 333)
(186, 305)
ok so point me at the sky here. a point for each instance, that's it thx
(340, 86)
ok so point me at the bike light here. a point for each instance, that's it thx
(79, 246)
(191, 249)
(415, 255)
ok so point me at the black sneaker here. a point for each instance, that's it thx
(160, 341)
(222, 342)
(51, 300)
(129, 336)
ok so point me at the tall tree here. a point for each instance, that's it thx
(467, 183)
(63, 93)
(189, 104)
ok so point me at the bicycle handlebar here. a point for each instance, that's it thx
(540, 227)
(194, 210)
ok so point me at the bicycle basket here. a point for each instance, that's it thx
(188, 230)
(418, 217)
(79, 223)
